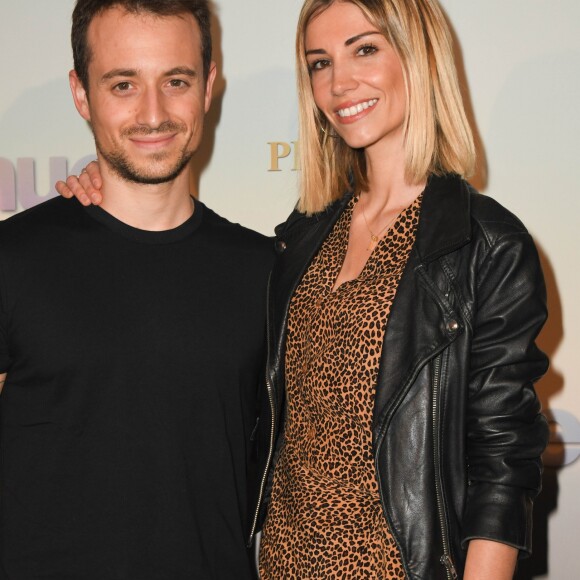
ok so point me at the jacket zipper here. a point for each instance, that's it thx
(272, 424)
(446, 559)
(265, 474)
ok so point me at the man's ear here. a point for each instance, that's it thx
(209, 85)
(79, 94)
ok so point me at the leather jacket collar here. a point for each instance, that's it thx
(444, 225)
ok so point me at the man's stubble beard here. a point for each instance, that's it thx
(119, 162)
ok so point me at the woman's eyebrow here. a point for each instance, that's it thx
(348, 42)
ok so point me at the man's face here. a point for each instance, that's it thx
(147, 97)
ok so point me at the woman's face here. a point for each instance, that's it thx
(357, 78)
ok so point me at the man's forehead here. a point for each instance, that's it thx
(116, 34)
(118, 11)
(119, 19)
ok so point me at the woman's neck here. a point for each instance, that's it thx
(388, 186)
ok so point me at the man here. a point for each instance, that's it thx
(131, 334)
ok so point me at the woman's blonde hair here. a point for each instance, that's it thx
(438, 138)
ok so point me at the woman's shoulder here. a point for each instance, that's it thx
(458, 204)
(297, 222)
(492, 218)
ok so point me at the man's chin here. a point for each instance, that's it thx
(148, 178)
(149, 175)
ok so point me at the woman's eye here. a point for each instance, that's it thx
(319, 64)
(367, 50)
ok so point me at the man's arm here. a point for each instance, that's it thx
(2, 379)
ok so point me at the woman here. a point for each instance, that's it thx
(400, 421)
(405, 312)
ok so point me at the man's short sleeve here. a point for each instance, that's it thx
(4, 356)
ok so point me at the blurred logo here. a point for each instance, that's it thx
(284, 156)
(564, 446)
(18, 184)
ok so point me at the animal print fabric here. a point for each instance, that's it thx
(325, 518)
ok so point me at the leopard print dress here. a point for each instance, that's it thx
(325, 518)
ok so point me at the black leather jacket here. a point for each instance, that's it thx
(457, 429)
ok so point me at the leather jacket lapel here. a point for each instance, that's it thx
(422, 321)
(298, 241)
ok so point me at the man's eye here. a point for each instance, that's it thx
(177, 83)
(124, 86)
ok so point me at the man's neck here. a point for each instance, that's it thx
(159, 207)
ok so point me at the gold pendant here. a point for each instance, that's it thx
(373, 242)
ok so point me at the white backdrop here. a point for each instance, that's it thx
(520, 61)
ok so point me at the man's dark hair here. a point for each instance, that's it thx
(86, 10)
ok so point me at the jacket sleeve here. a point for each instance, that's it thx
(506, 432)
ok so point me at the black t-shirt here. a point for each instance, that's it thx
(133, 360)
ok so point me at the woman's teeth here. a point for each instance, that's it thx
(356, 109)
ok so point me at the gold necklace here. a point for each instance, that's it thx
(375, 237)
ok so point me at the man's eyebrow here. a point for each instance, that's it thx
(348, 42)
(118, 72)
(131, 72)
(181, 70)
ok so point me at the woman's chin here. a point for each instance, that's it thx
(355, 142)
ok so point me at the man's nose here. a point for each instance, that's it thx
(152, 110)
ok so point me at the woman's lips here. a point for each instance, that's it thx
(350, 112)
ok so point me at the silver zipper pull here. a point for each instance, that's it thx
(448, 563)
